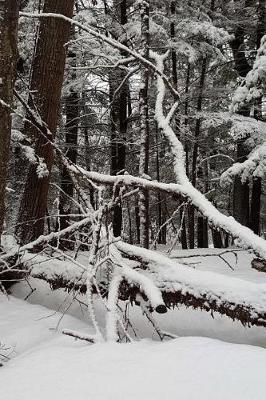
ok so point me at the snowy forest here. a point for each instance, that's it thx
(132, 199)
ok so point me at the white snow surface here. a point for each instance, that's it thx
(47, 365)
(44, 364)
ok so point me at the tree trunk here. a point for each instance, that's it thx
(71, 141)
(8, 61)
(217, 239)
(202, 233)
(174, 75)
(161, 198)
(144, 126)
(119, 110)
(255, 202)
(191, 210)
(46, 84)
(255, 205)
(241, 190)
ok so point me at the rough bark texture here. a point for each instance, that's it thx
(72, 113)
(241, 190)
(119, 109)
(46, 84)
(245, 313)
(71, 140)
(144, 126)
(191, 209)
(202, 234)
(8, 60)
(177, 122)
(161, 198)
(255, 206)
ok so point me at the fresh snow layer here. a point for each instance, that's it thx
(181, 322)
(60, 368)
(239, 284)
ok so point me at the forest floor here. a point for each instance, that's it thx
(213, 358)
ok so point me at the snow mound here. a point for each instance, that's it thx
(53, 366)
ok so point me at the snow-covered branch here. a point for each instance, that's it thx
(254, 166)
(245, 235)
(254, 87)
(114, 43)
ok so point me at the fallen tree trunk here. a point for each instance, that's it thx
(240, 300)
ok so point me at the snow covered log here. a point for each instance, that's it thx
(179, 284)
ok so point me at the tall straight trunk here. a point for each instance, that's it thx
(46, 85)
(190, 213)
(255, 201)
(144, 125)
(119, 110)
(84, 112)
(8, 61)
(217, 239)
(174, 74)
(202, 234)
(71, 141)
(241, 190)
(161, 198)
(195, 151)
(255, 206)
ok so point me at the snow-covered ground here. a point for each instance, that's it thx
(47, 365)
(44, 364)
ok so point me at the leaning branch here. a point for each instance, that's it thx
(114, 43)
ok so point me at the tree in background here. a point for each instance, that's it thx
(8, 62)
(45, 95)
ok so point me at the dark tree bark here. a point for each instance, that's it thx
(191, 209)
(46, 84)
(255, 202)
(241, 190)
(175, 79)
(255, 206)
(202, 233)
(144, 126)
(161, 198)
(8, 61)
(71, 141)
(119, 121)
(217, 239)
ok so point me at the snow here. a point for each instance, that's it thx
(226, 278)
(53, 366)
(171, 276)
(254, 166)
(24, 326)
(254, 86)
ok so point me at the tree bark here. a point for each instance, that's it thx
(255, 202)
(161, 198)
(241, 190)
(191, 209)
(8, 61)
(174, 75)
(144, 126)
(46, 84)
(119, 110)
(255, 206)
(71, 142)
